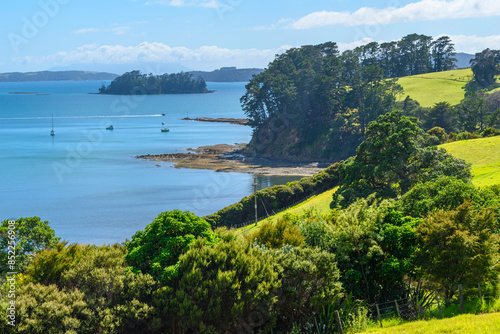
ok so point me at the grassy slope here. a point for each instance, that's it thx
(484, 154)
(464, 324)
(320, 202)
(431, 88)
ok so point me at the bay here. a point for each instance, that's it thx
(86, 181)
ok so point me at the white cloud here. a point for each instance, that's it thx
(185, 3)
(425, 10)
(204, 58)
(86, 30)
(473, 44)
(117, 30)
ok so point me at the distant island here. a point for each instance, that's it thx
(228, 74)
(56, 76)
(136, 83)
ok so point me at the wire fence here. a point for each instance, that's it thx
(424, 305)
(273, 212)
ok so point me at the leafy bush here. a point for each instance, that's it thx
(276, 235)
(459, 246)
(490, 132)
(157, 248)
(224, 288)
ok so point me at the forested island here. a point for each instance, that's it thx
(56, 76)
(136, 83)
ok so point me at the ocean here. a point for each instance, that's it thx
(86, 181)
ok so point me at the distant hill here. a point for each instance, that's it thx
(463, 59)
(56, 76)
(227, 74)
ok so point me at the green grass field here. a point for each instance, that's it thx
(320, 203)
(463, 324)
(483, 153)
(431, 88)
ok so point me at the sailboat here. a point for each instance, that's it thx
(52, 133)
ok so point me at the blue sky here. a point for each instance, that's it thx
(207, 34)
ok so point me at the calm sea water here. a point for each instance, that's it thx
(85, 179)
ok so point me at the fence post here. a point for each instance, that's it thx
(378, 315)
(418, 308)
(397, 308)
(461, 297)
(339, 323)
(439, 305)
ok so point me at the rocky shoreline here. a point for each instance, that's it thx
(238, 121)
(231, 158)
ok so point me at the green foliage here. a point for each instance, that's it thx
(490, 132)
(309, 282)
(31, 236)
(42, 309)
(135, 83)
(439, 133)
(445, 193)
(276, 235)
(459, 246)
(485, 66)
(157, 248)
(392, 159)
(223, 288)
(114, 299)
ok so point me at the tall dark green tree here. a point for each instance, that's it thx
(443, 54)
(485, 66)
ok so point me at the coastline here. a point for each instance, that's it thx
(231, 158)
(237, 121)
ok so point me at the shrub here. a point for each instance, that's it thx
(490, 132)
(157, 248)
(275, 235)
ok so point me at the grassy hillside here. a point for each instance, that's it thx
(464, 324)
(431, 88)
(484, 154)
(320, 202)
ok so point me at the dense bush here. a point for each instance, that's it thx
(276, 235)
(157, 248)
(225, 288)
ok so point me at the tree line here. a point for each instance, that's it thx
(315, 103)
(136, 83)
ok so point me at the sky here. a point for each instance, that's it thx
(172, 35)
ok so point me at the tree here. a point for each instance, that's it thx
(472, 111)
(443, 54)
(157, 248)
(444, 193)
(439, 115)
(31, 236)
(392, 159)
(485, 67)
(459, 246)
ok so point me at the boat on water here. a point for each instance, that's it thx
(163, 114)
(52, 132)
(165, 129)
(110, 127)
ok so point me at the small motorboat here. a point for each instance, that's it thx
(162, 123)
(110, 127)
(163, 114)
(165, 129)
